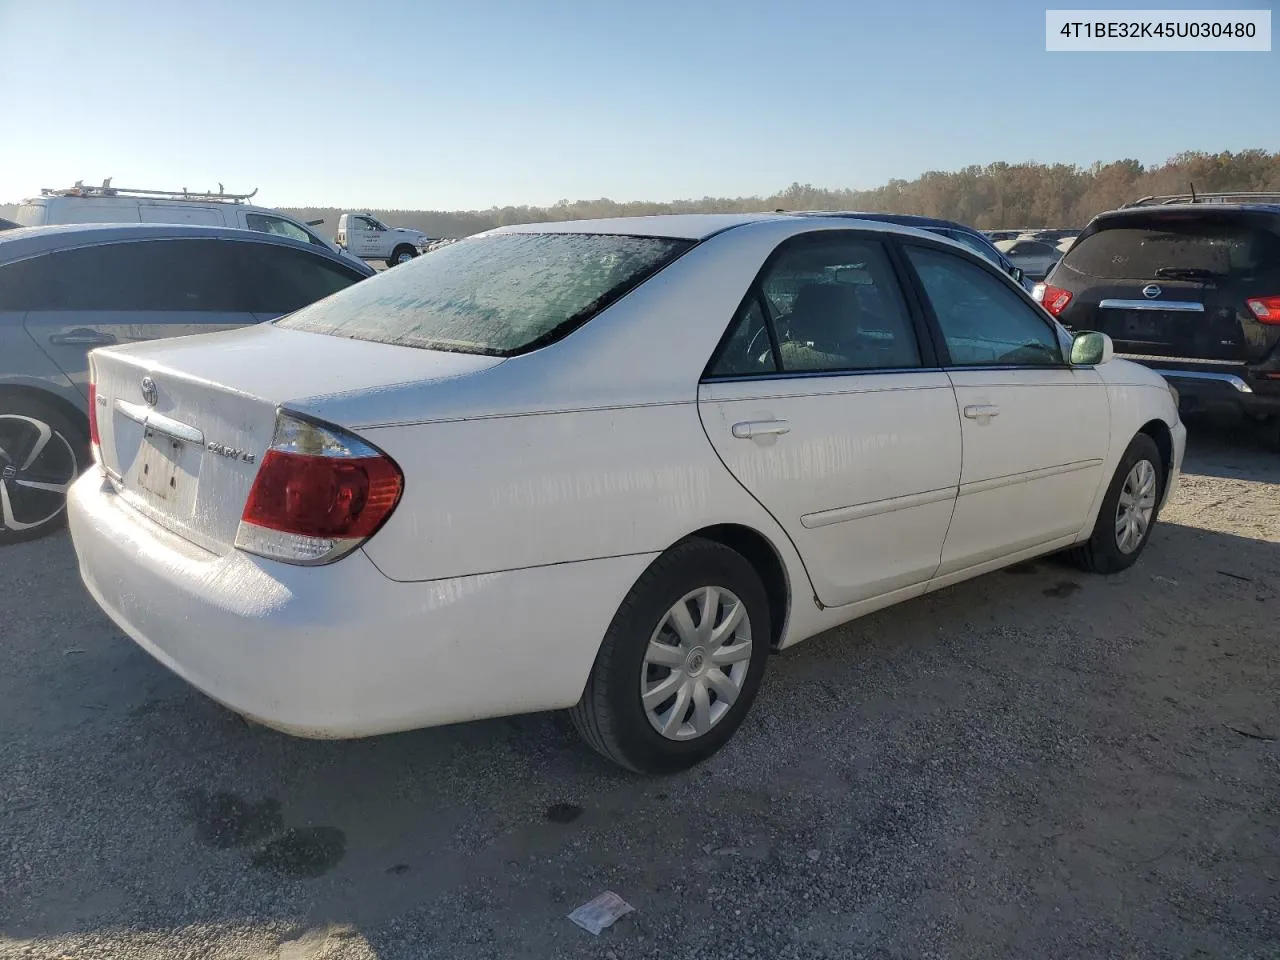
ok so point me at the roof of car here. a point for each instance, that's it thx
(902, 219)
(1209, 207)
(700, 226)
(29, 241)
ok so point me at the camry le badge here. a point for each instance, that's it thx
(1151, 291)
(149, 392)
(231, 453)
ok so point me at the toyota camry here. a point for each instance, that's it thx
(605, 466)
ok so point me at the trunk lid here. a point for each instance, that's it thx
(184, 423)
(1175, 284)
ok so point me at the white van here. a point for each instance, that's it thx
(108, 204)
(367, 237)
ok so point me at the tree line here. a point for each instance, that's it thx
(987, 197)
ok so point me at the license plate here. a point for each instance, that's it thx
(1143, 325)
(159, 467)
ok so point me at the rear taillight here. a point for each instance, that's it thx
(1054, 299)
(1266, 309)
(319, 493)
(95, 445)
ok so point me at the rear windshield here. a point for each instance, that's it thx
(1235, 250)
(495, 295)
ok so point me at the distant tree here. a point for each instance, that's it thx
(1000, 194)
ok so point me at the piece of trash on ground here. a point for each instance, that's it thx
(594, 915)
(1253, 731)
(1168, 580)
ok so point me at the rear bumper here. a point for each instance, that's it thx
(1206, 390)
(341, 651)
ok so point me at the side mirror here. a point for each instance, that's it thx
(1090, 348)
(1017, 274)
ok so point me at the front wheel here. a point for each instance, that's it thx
(1128, 512)
(681, 661)
(401, 254)
(41, 453)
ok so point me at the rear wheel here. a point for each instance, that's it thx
(681, 661)
(401, 254)
(1128, 511)
(41, 453)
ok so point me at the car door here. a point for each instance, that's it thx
(129, 291)
(273, 279)
(825, 402)
(1035, 430)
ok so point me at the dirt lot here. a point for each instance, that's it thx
(1037, 763)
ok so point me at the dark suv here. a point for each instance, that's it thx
(1188, 286)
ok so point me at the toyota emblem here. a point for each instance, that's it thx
(1151, 291)
(149, 392)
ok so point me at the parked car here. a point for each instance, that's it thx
(1034, 257)
(975, 240)
(8, 224)
(368, 238)
(65, 290)
(604, 465)
(1055, 236)
(1191, 289)
(997, 235)
(108, 204)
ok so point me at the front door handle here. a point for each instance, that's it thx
(82, 338)
(982, 412)
(749, 429)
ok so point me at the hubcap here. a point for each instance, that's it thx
(1136, 507)
(696, 663)
(37, 465)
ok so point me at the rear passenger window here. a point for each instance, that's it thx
(139, 276)
(277, 279)
(834, 305)
(983, 322)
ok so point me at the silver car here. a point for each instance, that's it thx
(67, 289)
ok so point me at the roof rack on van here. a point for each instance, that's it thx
(107, 190)
(1197, 197)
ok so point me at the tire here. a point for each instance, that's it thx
(401, 254)
(38, 445)
(1104, 551)
(611, 715)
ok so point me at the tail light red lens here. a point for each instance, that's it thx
(319, 493)
(1266, 309)
(95, 445)
(1054, 299)
(318, 496)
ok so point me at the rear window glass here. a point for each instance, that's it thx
(497, 295)
(1167, 247)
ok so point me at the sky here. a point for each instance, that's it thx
(468, 104)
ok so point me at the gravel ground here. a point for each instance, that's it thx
(1037, 763)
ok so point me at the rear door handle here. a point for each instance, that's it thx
(982, 412)
(749, 429)
(82, 338)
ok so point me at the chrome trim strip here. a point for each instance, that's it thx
(1174, 306)
(874, 508)
(1228, 378)
(995, 483)
(1165, 358)
(159, 422)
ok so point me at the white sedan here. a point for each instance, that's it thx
(605, 466)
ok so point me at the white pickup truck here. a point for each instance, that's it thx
(368, 238)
